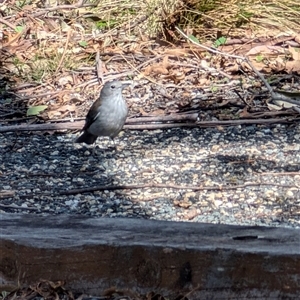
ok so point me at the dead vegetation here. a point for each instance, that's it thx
(45, 289)
(55, 54)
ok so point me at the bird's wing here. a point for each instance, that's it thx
(92, 114)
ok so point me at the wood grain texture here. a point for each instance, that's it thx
(143, 255)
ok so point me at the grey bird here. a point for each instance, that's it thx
(107, 115)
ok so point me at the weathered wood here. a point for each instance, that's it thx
(134, 124)
(218, 261)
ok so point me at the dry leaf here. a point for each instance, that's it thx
(142, 112)
(257, 65)
(158, 112)
(156, 69)
(273, 107)
(186, 202)
(61, 111)
(65, 80)
(265, 50)
(177, 52)
(278, 65)
(244, 114)
(295, 52)
(70, 107)
(293, 66)
(191, 214)
(297, 38)
(232, 68)
(182, 203)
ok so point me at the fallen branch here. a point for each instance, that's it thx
(43, 127)
(170, 186)
(13, 27)
(18, 207)
(169, 118)
(203, 124)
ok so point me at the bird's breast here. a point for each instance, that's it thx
(110, 119)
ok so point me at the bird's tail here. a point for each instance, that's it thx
(86, 138)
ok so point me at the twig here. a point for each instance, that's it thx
(279, 174)
(6, 194)
(78, 125)
(99, 68)
(148, 61)
(208, 48)
(198, 287)
(79, 4)
(241, 98)
(261, 78)
(169, 186)
(42, 127)
(42, 95)
(297, 109)
(65, 49)
(141, 19)
(173, 117)
(118, 75)
(7, 24)
(273, 95)
(15, 38)
(18, 207)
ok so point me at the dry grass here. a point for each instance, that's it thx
(137, 21)
(50, 47)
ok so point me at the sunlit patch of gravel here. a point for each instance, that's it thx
(257, 166)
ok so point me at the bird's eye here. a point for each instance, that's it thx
(112, 87)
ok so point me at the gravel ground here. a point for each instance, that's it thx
(257, 166)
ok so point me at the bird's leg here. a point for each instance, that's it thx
(94, 152)
(94, 148)
(74, 141)
(115, 146)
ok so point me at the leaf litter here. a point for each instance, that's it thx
(50, 290)
(55, 50)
